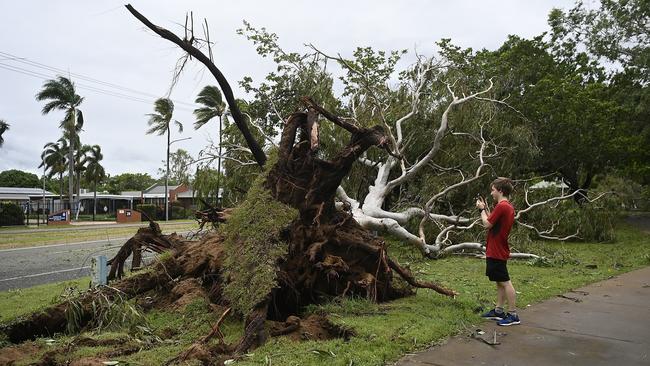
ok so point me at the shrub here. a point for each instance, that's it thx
(176, 212)
(11, 214)
(149, 210)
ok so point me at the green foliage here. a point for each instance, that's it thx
(18, 178)
(153, 211)
(254, 243)
(179, 167)
(11, 214)
(128, 182)
(177, 211)
(593, 221)
(205, 185)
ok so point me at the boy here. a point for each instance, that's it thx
(499, 223)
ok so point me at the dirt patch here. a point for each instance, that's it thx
(186, 292)
(10, 355)
(88, 361)
(314, 328)
(91, 342)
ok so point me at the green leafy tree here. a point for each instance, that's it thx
(616, 31)
(179, 167)
(18, 178)
(60, 94)
(159, 123)
(614, 34)
(128, 182)
(4, 127)
(205, 185)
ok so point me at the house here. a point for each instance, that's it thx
(177, 193)
(30, 199)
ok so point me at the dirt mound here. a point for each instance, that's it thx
(88, 361)
(13, 354)
(314, 328)
(186, 292)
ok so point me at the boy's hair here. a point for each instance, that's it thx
(503, 185)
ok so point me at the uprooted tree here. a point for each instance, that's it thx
(298, 237)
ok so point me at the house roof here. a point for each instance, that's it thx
(23, 194)
(158, 189)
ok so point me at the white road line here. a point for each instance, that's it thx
(77, 243)
(44, 274)
(64, 244)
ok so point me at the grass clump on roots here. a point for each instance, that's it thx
(254, 244)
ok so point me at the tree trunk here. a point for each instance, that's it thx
(71, 165)
(94, 199)
(218, 204)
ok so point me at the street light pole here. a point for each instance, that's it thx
(167, 175)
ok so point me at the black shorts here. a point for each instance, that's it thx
(496, 270)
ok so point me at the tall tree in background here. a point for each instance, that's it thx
(54, 159)
(159, 123)
(94, 172)
(60, 94)
(4, 126)
(127, 182)
(213, 106)
(179, 167)
(616, 36)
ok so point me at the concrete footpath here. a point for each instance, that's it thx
(606, 323)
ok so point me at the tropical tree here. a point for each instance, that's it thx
(159, 123)
(94, 172)
(18, 178)
(213, 106)
(60, 94)
(128, 182)
(53, 158)
(179, 167)
(4, 126)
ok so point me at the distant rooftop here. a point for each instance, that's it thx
(23, 194)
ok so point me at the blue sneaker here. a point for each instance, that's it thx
(510, 319)
(493, 315)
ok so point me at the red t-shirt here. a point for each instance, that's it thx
(501, 218)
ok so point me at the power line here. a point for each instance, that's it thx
(26, 61)
(42, 76)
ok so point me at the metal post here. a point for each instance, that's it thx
(98, 268)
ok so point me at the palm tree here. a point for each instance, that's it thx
(4, 126)
(60, 94)
(80, 161)
(54, 159)
(159, 124)
(94, 172)
(214, 106)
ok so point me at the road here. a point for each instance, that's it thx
(27, 267)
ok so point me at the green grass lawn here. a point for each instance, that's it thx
(385, 332)
(18, 238)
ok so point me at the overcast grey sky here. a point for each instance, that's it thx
(121, 68)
